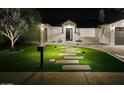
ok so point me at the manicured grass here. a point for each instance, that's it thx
(101, 61)
(26, 60)
(29, 59)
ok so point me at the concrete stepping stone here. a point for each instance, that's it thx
(67, 61)
(52, 60)
(77, 51)
(68, 54)
(73, 57)
(76, 67)
(70, 50)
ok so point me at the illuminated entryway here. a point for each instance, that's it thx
(69, 34)
(69, 31)
(45, 35)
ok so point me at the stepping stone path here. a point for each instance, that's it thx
(52, 60)
(67, 61)
(73, 57)
(71, 60)
(68, 54)
(70, 50)
(76, 67)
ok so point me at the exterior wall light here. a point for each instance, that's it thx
(112, 27)
(41, 32)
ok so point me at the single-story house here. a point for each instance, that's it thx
(110, 34)
(67, 32)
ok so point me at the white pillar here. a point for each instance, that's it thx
(41, 34)
(112, 35)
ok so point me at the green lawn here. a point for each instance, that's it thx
(29, 60)
(101, 61)
(26, 60)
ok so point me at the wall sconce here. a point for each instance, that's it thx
(112, 27)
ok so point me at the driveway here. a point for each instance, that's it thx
(116, 51)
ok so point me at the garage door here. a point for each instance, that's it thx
(119, 36)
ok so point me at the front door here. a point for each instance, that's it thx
(69, 34)
(119, 36)
(45, 35)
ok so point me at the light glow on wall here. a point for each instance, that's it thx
(42, 27)
(68, 26)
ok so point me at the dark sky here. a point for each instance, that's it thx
(84, 17)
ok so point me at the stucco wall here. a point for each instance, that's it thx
(87, 32)
(98, 34)
(54, 34)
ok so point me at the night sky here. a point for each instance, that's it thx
(84, 17)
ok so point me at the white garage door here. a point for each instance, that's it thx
(119, 36)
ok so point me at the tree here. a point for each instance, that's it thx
(101, 15)
(14, 22)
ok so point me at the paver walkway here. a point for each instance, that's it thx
(67, 61)
(73, 57)
(68, 54)
(70, 50)
(76, 67)
(72, 60)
